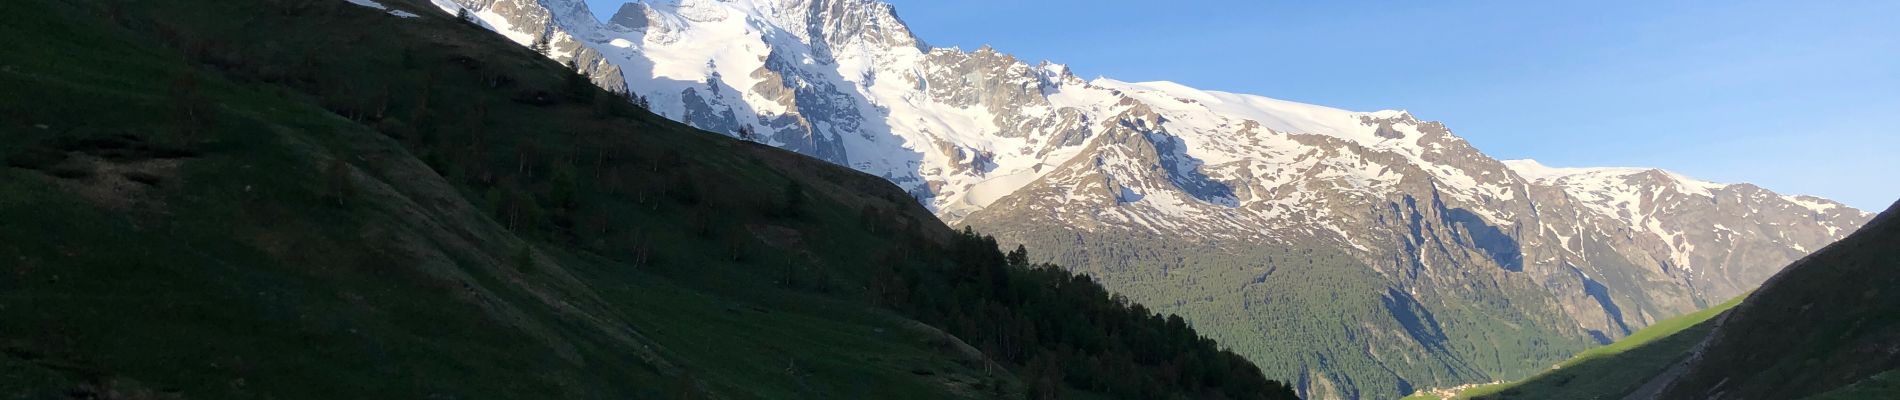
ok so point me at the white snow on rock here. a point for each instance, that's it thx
(845, 80)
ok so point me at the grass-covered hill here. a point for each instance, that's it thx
(315, 199)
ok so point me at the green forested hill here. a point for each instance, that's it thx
(313, 199)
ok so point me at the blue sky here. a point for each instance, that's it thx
(1799, 97)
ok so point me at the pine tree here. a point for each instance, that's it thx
(735, 241)
(525, 215)
(493, 204)
(1019, 257)
(637, 100)
(794, 199)
(524, 259)
(191, 109)
(576, 83)
(608, 106)
(746, 133)
(336, 177)
(542, 44)
(564, 195)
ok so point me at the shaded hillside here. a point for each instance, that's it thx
(1826, 327)
(1883, 386)
(318, 199)
(1827, 321)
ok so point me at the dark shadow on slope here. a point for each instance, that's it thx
(1598, 336)
(1601, 294)
(1185, 170)
(1418, 322)
(1414, 222)
(1489, 239)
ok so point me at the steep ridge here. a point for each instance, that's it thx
(1455, 267)
(368, 199)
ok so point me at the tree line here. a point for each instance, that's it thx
(1061, 329)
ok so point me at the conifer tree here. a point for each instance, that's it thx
(794, 199)
(524, 259)
(637, 100)
(336, 177)
(576, 83)
(542, 44)
(191, 113)
(746, 133)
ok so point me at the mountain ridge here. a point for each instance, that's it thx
(1038, 156)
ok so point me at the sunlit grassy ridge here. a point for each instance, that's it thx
(1611, 370)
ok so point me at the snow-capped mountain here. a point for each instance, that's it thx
(1133, 181)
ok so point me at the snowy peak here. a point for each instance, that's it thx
(844, 22)
(1538, 172)
(1605, 177)
(1279, 115)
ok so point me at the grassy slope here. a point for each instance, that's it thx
(234, 273)
(1883, 386)
(1612, 370)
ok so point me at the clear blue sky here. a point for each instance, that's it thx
(1799, 97)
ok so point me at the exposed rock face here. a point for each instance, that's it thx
(1408, 258)
(562, 22)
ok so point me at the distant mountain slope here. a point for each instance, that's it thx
(1827, 321)
(335, 199)
(1825, 327)
(1606, 372)
(1460, 267)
